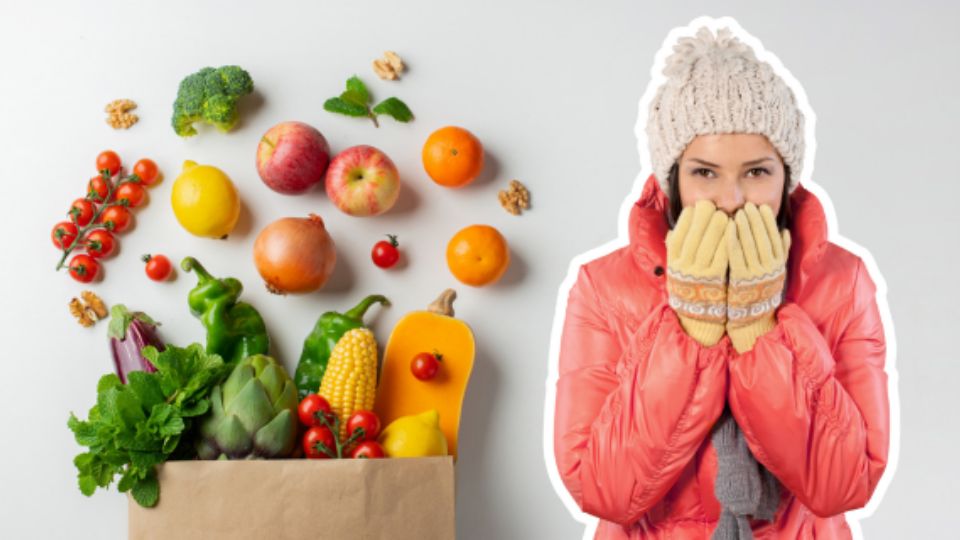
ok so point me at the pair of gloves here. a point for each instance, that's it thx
(704, 248)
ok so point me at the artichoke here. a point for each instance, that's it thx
(252, 414)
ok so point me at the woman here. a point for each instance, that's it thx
(722, 376)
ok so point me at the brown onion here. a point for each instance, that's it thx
(295, 255)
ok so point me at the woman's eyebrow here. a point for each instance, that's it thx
(745, 163)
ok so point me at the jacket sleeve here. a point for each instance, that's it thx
(817, 418)
(631, 415)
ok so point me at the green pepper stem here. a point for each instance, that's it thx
(190, 264)
(360, 309)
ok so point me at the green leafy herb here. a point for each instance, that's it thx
(355, 101)
(136, 426)
(395, 108)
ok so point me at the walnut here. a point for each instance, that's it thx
(389, 67)
(90, 310)
(95, 303)
(394, 60)
(78, 310)
(118, 115)
(515, 198)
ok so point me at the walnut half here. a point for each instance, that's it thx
(389, 67)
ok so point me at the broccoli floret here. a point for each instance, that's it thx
(210, 95)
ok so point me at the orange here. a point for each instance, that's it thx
(452, 156)
(478, 255)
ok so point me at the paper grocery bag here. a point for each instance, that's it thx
(395, 498)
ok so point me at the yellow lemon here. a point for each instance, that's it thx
(417, 435)
(205, 201)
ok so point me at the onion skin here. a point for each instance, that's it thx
(295, 255)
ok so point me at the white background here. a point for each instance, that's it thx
(551, 88)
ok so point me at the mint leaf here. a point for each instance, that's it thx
(147, 491)
(87, 485)
(357, 90)
(340, 106)
(108, 381)
(84, 432)
(146, 387)
(127, 481)
(395, 108)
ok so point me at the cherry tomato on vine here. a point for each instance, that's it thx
(108, 160)
(132, 192)
(118, 216)
(63, 235)
(367, 450)
(312, 405)
(385, 254)
(426, 365)
(312, 440)
(98, 188)
(82, 211)
(366, 420)
(146, 171)
(158, 267)
(84, 268)
(99, 243)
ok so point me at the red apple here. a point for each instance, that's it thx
(363, 181)
(292, 157)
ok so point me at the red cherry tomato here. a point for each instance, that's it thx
(84, 268)
(310, 407)
(81, 212)
(312, 440)
(108, 160)
(118, 216)
(426, 365)
(63, 235)
(99, 243)
(385, 254)
(98, 188)
(367, 450)
(158, 267)
(131, 192)
(146, 171)
(365, 420)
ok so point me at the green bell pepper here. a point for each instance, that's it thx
(235, 330)
(330, 327)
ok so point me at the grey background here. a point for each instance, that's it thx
(551, 88)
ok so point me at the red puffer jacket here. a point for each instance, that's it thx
(637, 397)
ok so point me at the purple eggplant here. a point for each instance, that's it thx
(129, 333)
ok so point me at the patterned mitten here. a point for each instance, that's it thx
(758, 262)
(696, 271)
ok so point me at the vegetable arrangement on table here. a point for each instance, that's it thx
(227, 398)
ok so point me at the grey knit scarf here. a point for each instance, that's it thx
(744, 488)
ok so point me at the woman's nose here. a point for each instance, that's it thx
(730, 200)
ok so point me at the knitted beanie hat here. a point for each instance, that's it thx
(715, 84)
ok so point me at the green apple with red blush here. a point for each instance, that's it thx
(362, 181)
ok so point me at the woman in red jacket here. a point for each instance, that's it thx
(722, 376)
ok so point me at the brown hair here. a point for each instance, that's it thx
(784, 218)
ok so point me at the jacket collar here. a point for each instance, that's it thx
(648, 228)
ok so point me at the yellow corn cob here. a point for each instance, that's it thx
(350, 381)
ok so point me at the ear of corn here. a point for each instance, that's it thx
(350, 381)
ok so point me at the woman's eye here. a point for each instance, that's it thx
(760, 169)
(702, 172)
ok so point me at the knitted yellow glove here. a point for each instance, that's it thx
(758, 258)
(696, 271)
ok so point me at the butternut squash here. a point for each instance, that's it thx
(402, 394)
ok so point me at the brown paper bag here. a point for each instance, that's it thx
(397, 498)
